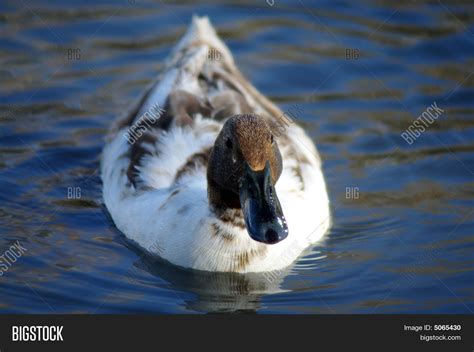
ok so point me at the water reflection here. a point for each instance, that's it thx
(211, 292)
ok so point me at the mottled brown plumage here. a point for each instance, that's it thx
(179, 109)
(194, 161)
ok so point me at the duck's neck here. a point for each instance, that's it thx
(219, 195)
(225, 205)
(220, 198)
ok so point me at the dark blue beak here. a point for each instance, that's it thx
(263, 216)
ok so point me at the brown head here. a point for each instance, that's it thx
(244, 166)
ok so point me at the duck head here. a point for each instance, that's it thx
(244, 166)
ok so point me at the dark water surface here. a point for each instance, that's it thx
(360, 74)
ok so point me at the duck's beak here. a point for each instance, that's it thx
(264, 218)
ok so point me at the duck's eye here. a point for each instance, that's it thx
(228, 143)
(271, 138)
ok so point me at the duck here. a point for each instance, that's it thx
(206, 173)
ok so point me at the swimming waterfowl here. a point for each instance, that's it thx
(208, 174)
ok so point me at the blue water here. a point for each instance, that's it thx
(360, 74)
